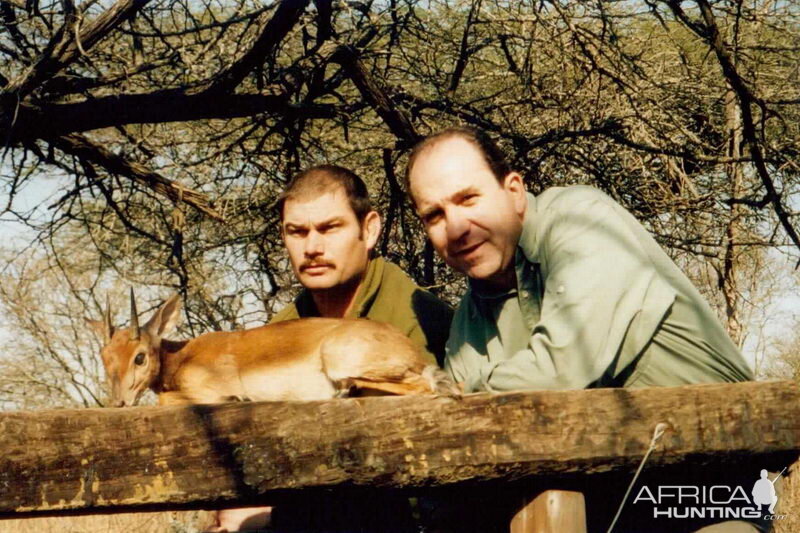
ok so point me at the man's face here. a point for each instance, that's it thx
(473, 221)
(327, 246)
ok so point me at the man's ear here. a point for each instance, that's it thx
(166, 318)
(514, 186)
(371, 229)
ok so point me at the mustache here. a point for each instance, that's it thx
(312, 264)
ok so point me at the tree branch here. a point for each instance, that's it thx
(746, 100)
(281, 23)
(48, 120)
(83, 148)
(15, 3)
(376, 96)
(464, 51)
(63, 48)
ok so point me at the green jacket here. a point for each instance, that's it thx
(389, 295)
(598, 304)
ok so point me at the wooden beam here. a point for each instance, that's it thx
(94, 458)
(551, 511)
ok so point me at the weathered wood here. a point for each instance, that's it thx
(788, 489)
(92, 458)
(141, 522)
(552, 511)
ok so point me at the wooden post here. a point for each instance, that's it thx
(552, 511)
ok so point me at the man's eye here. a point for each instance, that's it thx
(139, 360)
(470, 199)
(432, 218)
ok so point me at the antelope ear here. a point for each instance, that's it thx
(102, 331)
(166, 318)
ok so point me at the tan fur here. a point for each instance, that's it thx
(305, 359)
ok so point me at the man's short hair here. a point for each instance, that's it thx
(495, 157)
(321, 179)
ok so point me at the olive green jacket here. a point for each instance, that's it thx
(388, 295)
(598, 304)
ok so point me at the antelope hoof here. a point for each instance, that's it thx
(237, 398)
(440, 382)
(344, 389)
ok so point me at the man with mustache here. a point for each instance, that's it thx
(566, 290)
(330, 231)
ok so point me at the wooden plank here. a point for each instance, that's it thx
(552, 511)
(93, 458)
(141, 522)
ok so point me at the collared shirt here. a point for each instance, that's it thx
(598, 303)
(388, 295)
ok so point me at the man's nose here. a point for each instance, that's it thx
(457, 225)
(314, 244)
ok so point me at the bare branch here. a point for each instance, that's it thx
(64, 49)
(464, 50)
(376, 96)
(153, 108)
(746, 100)
(281, 23)
(82, 147)
(15, 3)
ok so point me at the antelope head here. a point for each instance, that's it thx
(132, 356)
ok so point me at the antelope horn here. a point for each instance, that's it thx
(107, 320)
(134, 319)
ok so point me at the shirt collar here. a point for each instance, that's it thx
(368, 289)
(528, 242)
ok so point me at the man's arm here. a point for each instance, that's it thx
(598, 281)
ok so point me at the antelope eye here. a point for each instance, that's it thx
(139, 358)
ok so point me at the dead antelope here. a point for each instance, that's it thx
(305, 359)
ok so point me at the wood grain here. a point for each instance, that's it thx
(94, 458)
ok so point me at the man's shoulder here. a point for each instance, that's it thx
(576, 210)
(571, 197)
(422, 316)
(287, 313)
(396, 282)
(399, 294)
(395, 277)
